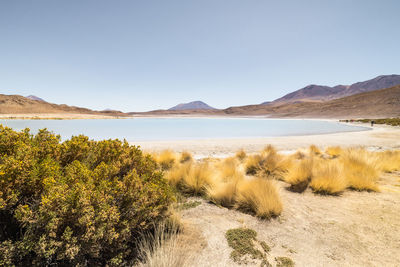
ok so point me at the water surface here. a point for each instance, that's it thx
(155, 129)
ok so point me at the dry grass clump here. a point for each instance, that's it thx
(241, 155)
(260, 197)
(300, 174)
(328, 178)
(224, 189)
(388, 161)
(252, 164)
(267, 164)
(177, 174)
(223, 193)
(185, 157)
(163, 248)
(360, 172)
(298, 155)
(200, 177)
(165, 159)
(333, 151)
(314, 150)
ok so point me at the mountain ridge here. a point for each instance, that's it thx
(318, 93)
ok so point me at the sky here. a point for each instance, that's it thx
(139, 55)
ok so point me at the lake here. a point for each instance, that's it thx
(157, 129)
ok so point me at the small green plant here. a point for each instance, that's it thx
(246, 246)
(284, 262)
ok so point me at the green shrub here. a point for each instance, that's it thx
(79, 202)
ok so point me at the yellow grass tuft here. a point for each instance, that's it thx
(388, 161)
(200, 177)
(185, 157)
(252, 164)
(223, 193)
(299, 175)
(165, 159)
(259, 196)
(361, 173)
(163, 248)
(177, 174)
(241, 155)
(334, 151)
(328, 178)
(314, 150)
(268, 163)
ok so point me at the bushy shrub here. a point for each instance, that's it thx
(79, 202)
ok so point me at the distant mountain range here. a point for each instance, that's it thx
(375, 104)
(378, 97)
(312, 93)
(195, 105)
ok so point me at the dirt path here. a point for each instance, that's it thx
(354, 229)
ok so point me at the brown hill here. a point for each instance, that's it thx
(374, 104)
(16, 104)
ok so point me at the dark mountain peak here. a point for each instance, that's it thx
(192, 106)
(33, 97)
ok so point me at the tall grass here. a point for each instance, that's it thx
(388, 161)
(359, 169)
(224, 190)
(163, 248)
(165, 159)
(241, 155)
(267, 164)
(333, 151)
(328, 177)
(260, 197)
(314, 150)
(299, 174)
(200, 176)
(185, 157)
(177, 174)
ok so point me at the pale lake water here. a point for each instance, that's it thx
(158, 129)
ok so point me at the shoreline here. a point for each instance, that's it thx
(378, 138)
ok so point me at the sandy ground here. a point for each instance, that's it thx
(354, 229)
(380, 137)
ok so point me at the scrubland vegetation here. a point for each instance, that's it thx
(78, 202)
(248, 182)
(84, 202)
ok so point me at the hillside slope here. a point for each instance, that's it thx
(374, 104)
(16, 104)
(318, 93)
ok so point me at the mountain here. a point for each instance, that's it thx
(195, 105)
(16, 104)
(317, 93)
(33, 97)
(374, 104)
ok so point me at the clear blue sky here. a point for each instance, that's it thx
(143, 55)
